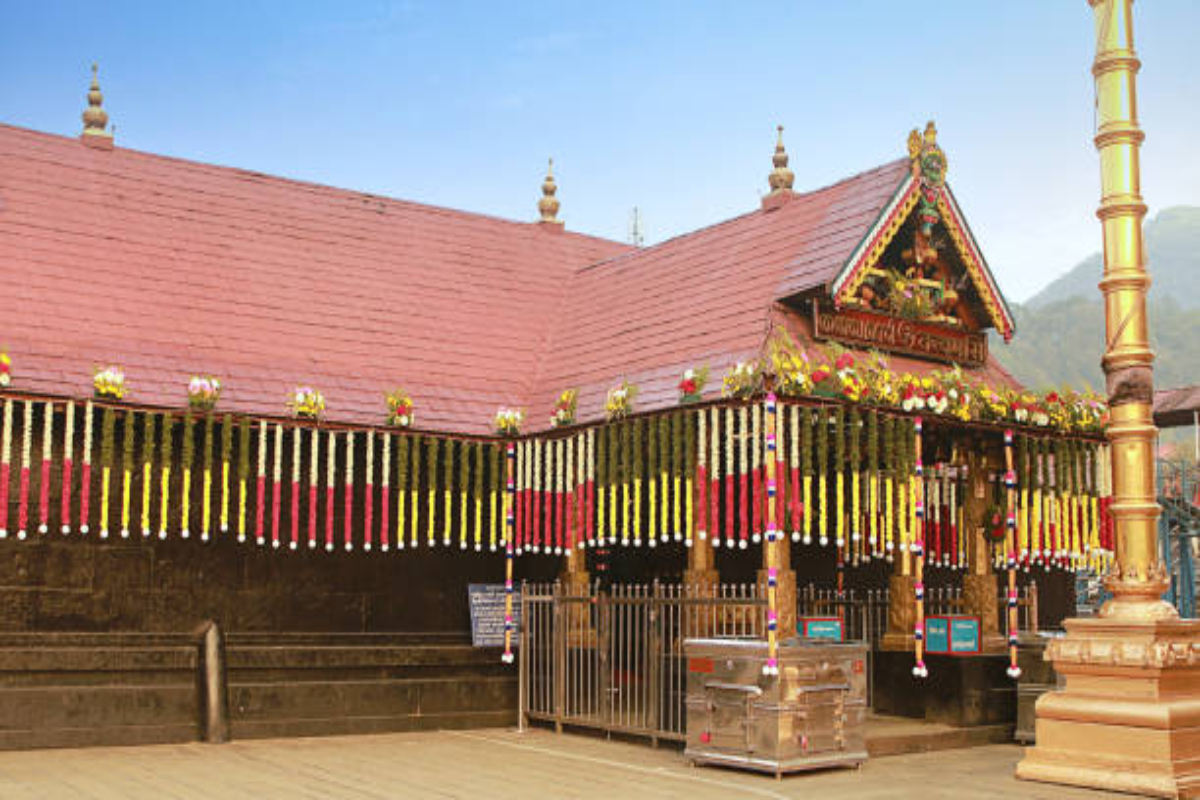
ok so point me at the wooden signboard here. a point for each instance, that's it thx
(867, 329)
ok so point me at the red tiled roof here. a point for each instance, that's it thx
(171, 268)
(705, 297)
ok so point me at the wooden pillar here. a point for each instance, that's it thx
(980, 590)
(785, 584)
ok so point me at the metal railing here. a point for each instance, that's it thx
(613, 660)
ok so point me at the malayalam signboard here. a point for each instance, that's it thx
(487, 614)
(868, 329)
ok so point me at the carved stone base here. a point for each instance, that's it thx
(1128, 718)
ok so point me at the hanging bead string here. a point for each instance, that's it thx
(771, 668)
(127, 432)
(1010, 480)
(23, 488)
(918, 553)
(6, 466)
(314, 462)
(68, 462)
(294, 494)
(44, 486)
(509, 524)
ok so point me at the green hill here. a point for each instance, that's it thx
(1060, 331)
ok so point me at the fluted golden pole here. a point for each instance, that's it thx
(1139, 579)
(1128, 715)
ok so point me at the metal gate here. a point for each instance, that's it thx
(614, 660)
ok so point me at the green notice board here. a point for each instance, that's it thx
(952, 634)
(828, 628)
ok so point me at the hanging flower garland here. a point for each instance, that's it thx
(431, 461)
(662, 443)
(244, 433)
(107, 435)
(1022, 479)
(690, 459)
(44, 484)
(276, 485)
(203, 392)
(314, 466)
(109, 383)
(226, 455)
(807, 434)
(839, 466)
(855, 436)
(166, 448)
(399, 408)
(385, 493)
(756, 470)
(85, 476)
(564, 409)
(822, 454)
(5, 466)
(127, 432)
(619, 402)
(798, 509)
(498, 487)
(23, 486)
(889, 483)
(602, 483)
(478, 494)
(657, 477)
(402, 490)
(464, 480)
(561, 450)
(873, 482)
(678, 443)
(743, 477)
(206, 514)
(348, 496)
(260, 536)
(294, 493)
(691, 385)
(591, 484)
(68, 461)
(714, 483)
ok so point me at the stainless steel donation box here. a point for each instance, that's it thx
(809, 716)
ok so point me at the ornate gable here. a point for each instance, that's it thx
(919, 262)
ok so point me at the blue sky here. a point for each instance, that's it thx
(670, 107)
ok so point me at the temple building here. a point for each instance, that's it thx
(303, 411)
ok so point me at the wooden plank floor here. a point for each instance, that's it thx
(482, 764)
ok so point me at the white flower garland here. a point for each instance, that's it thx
(314, 461)
(794, 462)
(349, 522)
(385, 481)
(743, 464)
(68, 443)
(47, 441)
(26, 445)
(330, 477)
(522, 483)
(731, 530)
(369, 480)
(276, 477)
(262, 470)
(539, 455)
(570, 511)
(702, 469)
(560, 460)
(87, 458)
(581, 478)
(297, 435)
(755, 465)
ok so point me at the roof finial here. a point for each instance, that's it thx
(548, 205)
(781, 178)
(95, 118)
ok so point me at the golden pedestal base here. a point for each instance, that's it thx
(1128, 718)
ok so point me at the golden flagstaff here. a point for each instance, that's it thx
(1127, 717)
